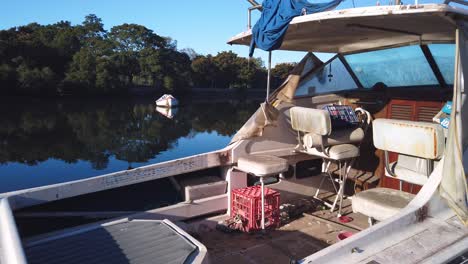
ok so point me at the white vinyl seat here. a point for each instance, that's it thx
(316, 137)
(337, 152)
(381, 203)
(419, 145)
(262, 166)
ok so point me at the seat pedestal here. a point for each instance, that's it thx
(262, 166)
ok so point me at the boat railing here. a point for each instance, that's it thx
(11, 251)
(249, 15)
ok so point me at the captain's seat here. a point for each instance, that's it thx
(419, 145)
(316, 137)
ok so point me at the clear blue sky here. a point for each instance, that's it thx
(204, 25)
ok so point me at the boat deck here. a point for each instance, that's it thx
(311, 231)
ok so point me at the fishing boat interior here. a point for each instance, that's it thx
(358, 159)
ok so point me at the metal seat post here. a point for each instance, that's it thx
(325, 173)
(263, 202)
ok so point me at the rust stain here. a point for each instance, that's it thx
(421, 149)
(421, 213)
(225, 158)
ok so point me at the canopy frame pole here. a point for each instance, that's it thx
(249, 15)
(268, 77)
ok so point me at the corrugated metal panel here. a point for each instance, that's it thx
(128, 242)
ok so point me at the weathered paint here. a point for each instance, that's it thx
(39, 195)
(186, 210)
(425, 140)
(349, 28)
(391, 232)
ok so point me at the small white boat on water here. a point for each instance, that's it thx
(167, 100)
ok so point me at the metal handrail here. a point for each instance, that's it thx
(249, 14)
(253, 2)
(11, 250)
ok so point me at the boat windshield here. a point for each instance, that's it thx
(444, 56)
(403, 66)
(330, 78)
(407, 66)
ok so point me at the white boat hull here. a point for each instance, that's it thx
(167, 100)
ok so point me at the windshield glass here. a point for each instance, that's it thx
(330, 78)
(444, 55)
(395, 67)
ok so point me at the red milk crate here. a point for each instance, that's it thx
(247, 203)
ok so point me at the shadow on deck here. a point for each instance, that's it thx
(312, 230)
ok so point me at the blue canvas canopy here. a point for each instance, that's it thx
(268, 32)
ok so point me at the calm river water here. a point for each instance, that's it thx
(50, 142)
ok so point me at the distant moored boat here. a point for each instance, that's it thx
(167, 100)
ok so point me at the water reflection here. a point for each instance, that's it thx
(168, 112)
(49, 142)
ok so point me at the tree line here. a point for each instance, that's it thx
(86, 59)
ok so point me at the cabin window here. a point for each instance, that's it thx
(332, 77)
(444, 55)
(395, 67)
(309, 65)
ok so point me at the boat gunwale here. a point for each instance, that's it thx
(53, 192)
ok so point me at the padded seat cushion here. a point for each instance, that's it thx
(418, 139)
(337, 137)
(380, 203)
(261, 165)
(337, 152)
(407, 175)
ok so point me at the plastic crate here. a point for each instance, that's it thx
(246, 203)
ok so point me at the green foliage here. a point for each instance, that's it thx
(280, 72)
(228, 70)
(81, 76)
(7, 78)
(86, 59)
(36, 80)
(134, 38)
(204, 71)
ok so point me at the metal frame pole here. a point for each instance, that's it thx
(263, 203)
(12, 249)
(269, 77)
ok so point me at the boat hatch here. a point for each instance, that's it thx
(352, 30)
(135, 241)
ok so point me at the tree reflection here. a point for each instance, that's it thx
(94, 131)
